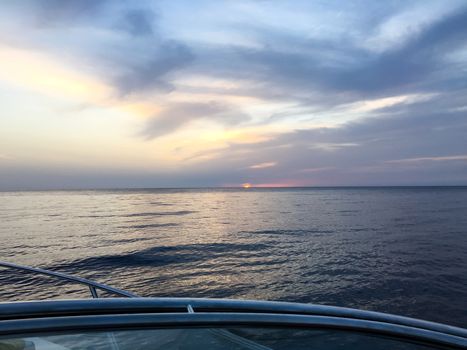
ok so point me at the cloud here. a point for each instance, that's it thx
(263, 165)
(373, 150)
(128, 48)
(138, 22)
(53, 12)
(177, 115)
(430, 159)
(314, 170)
(151, 71)
(117, 42)
(334, 94)
(317, 72)
(332, 146)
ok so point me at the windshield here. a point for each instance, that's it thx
(210, 338)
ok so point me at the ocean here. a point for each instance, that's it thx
(397, 250)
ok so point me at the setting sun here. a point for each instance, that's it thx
(246, 185)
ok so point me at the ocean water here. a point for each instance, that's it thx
(397, 250)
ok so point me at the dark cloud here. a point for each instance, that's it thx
(180, 114)
(53, 12)
(282, 66)
(151, 72)
(288, 66)
(117, 41)
(412, 65)
(138, 22)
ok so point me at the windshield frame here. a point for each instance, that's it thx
(151, 313)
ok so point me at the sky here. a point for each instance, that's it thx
(133, 94)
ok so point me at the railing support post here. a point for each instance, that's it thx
(93, 292)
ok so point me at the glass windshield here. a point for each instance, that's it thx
(209, 338)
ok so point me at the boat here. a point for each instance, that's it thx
(126, 321)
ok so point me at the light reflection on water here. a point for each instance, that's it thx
(394, 250)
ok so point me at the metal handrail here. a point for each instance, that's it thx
(93, 286)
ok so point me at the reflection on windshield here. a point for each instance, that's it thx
(210, 338)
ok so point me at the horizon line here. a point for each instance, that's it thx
(223, 188)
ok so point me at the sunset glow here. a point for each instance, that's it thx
(160, 94)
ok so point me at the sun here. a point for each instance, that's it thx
(246, 185)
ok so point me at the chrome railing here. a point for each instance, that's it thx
(93, 286)
(113, 314)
